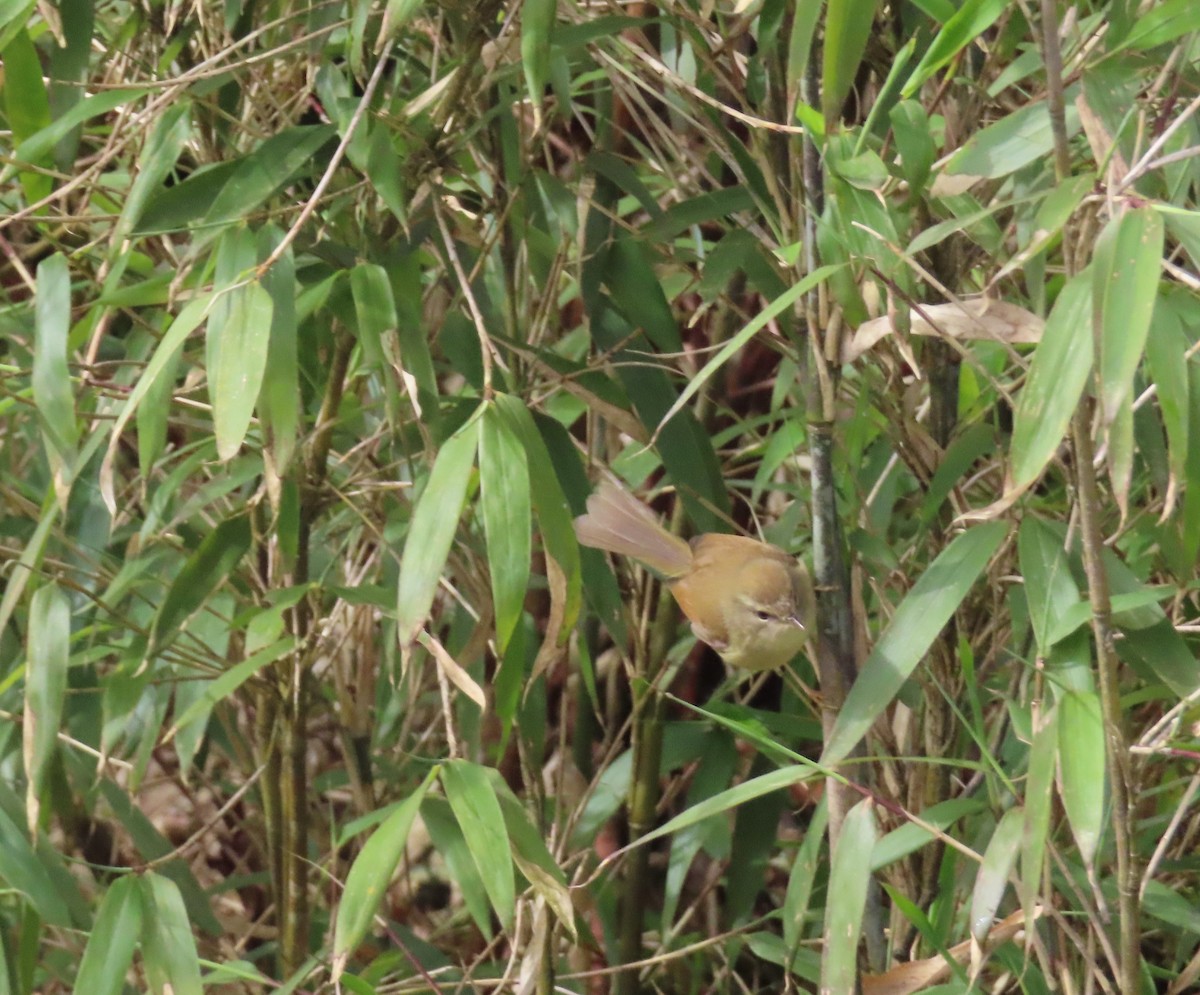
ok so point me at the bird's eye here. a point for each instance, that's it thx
(763, 616)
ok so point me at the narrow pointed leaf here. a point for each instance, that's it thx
(239, 344)
(475, 806)
(47, 656)
(849, 877)
(109, 952)
(1125, 277)
(431, 531)
(53, 394)
(1050, 590)
(205, 570)
(992, 879)
(916, 624)
(168, 947)
(161, 363)
(1081, 768)
(371, 874)
(1058, 373)
(848, 26)
(1039, 794)
(507, 510)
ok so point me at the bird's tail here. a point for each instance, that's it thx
(618, 522)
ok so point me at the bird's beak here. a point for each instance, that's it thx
(795, 620)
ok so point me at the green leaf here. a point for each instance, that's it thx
(1039, 800)
(992, 880)
(237, 351)
(1013, 142)
(168, 947)
(371, 874)
(934, 598)
(637, 293)
(374, 309)
(802, 878)
(507, 510)
(109, 951)
(234, 190)
(229, 681)
(39, 145)
(1162, 23)
(279, 402)
(52, 391)
(1161, 650)
(13, 14)
(849, 877)
(23, 870)
(1081, 752)
(205, 570)
(1166, 346)
(778, 306)
(431, 531)
(711, 206)
(1125, 274)
(151, 845)
(914, 140)
(446, 835)
(537, 29)
(1058, 373)
(167, 140)
(531, 855)
(1050, 590)
(47, 657)
(397, 14)
(554, 517)
(473, 800)
(971, 20)
(848, 27)
(160, 365)
(754, 787)
(805, 17)
(910, 837)
(26, 105)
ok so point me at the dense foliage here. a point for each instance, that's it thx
(320, 320)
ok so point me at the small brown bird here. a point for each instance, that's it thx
(750, 601)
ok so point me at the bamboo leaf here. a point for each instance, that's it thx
(1038, 802)
(849, 877)
(475, 806)
(1081, 771)
(921, 615)
(507, 509)
(992, 879)
(160, 365)
(848, 26)
(162, 150)
(1060, 369)
(1013, 142)
(971, 20)
(279, 402)
(52, 391)
(205, 570)
(371, 874)
(109, 951)
(537, 29)
(22, 869)
(168, 947)
(1050, 590)
(431, 531)
(46, 660)
(1125, 274)
(239, 345)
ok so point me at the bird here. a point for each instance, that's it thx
(750, 601)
